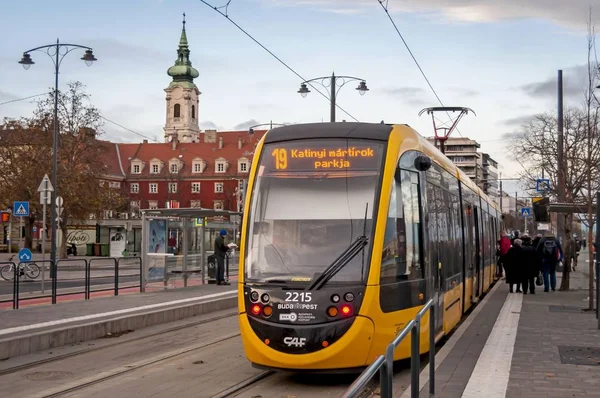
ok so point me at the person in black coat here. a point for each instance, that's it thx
(514, 266)
(531, 263)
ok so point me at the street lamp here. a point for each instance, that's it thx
(332, 83)
(57, 53)
(251, 128)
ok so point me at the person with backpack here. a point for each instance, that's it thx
(551, 254)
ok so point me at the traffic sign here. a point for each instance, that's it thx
(198, 222)
(45, 185)
(25, 255)
(542, 184)
(525, 211)
(21, 209)
(34, 229)
(59, 201)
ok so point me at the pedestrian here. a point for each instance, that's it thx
(551, 253)
(504, 246)
(220, 252)
(531, 264)
(513, 265)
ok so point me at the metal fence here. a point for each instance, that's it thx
(18, 268)
(384, 364)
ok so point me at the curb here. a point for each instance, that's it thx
(18, 345)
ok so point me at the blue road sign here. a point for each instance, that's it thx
(25, 255)
(21, 209)
(542, 184)
(525, 211)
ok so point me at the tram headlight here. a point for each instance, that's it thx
(349, 297)
(265, 298)
(256, 309)
(332, 311)
(335, 298)
(267, 311)
(254, 296)
(346, 310)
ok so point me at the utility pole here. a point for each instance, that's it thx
(560, 220)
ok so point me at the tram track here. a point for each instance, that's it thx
(84, 383)
(116, 343)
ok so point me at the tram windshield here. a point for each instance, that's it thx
(311, 199)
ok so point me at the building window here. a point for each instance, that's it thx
(177, 111)
(195, 187)
(174, 168)
(114, 184)
(195, 204)
(135, 188)
(197, 167)
(136, 169)
(218, 205)
(155, 169)
(153, 204)
(134, 205)
(243, 167)
(172, 187)
(218, 187)
(220, 167)
(241, 185)
(153, 188)
(193, 111)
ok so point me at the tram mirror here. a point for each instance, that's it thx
(261, 228)
(422, 163)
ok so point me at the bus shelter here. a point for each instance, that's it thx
(177, 245)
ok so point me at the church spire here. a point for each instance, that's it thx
(182, 72)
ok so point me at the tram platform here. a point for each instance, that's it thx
(514, 345)
(36, 328)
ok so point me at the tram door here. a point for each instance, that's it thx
(469, 250)
(478, 274)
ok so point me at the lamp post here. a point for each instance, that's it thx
(335, 83)
(57, 53)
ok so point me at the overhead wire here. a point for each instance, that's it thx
(22, 99)
(386, 9)
(226, 16)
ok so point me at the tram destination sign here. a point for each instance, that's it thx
(291, 156)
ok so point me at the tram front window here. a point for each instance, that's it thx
(303, 216)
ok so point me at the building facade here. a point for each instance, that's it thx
(478, 166)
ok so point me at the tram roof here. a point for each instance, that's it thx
(372, 131)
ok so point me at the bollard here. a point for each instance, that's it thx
(16, 287)
(116, 277)
(88, 284)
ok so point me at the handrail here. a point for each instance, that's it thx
(384, 364)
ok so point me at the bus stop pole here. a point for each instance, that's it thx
(185, 243)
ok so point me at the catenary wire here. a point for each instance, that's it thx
(386, 9)
(224, 15)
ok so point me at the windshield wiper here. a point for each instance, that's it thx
(336, 266)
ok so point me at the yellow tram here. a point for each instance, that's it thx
(349, 228)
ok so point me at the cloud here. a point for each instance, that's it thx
(574, 84)
(573, 13)
(208, 125)
(465, 92)
(246, 125)
(413, 95)
(518, 121)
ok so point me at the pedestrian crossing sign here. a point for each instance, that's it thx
(21, 209)
(525, 211)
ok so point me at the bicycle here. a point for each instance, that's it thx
(30, 270)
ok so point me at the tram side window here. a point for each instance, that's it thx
(401, 249)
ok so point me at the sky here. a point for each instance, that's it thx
(499, 58)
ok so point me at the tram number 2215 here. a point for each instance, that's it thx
(296, 297)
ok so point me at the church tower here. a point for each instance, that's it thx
(182, 97)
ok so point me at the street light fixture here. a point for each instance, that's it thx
(251, 128)
(57, 52)
(335, 83)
